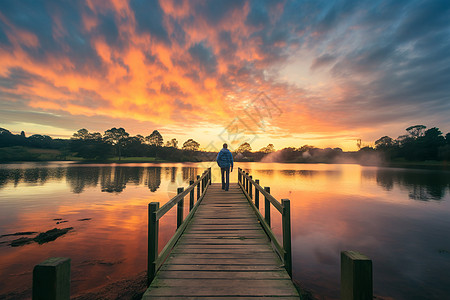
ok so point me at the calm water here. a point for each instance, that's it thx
(400, 218)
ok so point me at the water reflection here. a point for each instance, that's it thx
(423, 185)
(112, 179)
(153, 178)
(79, 178)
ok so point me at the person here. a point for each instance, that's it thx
(225, 161)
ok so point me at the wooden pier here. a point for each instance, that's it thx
(222, 251)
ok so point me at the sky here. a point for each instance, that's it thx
(322, 73)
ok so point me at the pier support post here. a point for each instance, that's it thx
(250, 187)
(209, 176)
(257, 194)
(286, 226)
(356, 276)
(51, 279)
(191, 196)
(267, 206)
(180, 208)
(153, 231)
(246, 182)
(198, 188)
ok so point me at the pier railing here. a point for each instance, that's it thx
(248, 185)
(155, 213)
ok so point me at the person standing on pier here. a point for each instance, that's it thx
(225, 161)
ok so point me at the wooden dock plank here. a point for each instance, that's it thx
(224, 253)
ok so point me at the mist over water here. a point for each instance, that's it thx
(397, 217)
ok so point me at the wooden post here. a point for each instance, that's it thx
(191, 196)
(250, 188)
(203, 183)
(209, 176)
(153, 233)
(246, 182)
(257, 194)
(286, 226)
(180, 208)
(239, 174)
(267, 206)
(198, 188)
(51, 279)
(356, 276)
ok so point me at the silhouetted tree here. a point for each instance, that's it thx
(155, 138)
(116, 136)
(244, 148)
(172, 143)
(89, 145)
(268, 149)
(416, 130)
(191, 145)
(384, 143)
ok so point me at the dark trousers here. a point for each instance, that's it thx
(225, 178)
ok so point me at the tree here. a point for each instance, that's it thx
(40, 141)
(155, 138)
(81, 134)
(384, 143)
(268, 149)
(4, 131)
(416, 130)
(191, 145)
(116, 136)
(172, 143)
(244, 147)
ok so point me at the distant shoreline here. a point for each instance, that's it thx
(128, 160)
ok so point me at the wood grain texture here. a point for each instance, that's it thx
(223, 253)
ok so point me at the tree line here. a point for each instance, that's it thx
(96, 146)
(417, 144)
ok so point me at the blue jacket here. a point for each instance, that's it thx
(224, 158)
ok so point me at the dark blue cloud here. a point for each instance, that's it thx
(258, 15)
(215, 11)
(4, 41)
(203, 57)
(149, 18)
(17, 77)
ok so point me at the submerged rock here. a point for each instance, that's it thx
(21, 241)
(51, 235)
(19, 233)
(41, 238)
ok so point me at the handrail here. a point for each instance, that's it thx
(247, 183)
(155, 213)
(166, 207)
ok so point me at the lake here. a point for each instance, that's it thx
(400, 218)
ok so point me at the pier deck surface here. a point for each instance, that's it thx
(223, 254)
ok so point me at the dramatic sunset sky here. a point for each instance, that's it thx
(323, 73)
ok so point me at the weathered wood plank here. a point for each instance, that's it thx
(269, 275)
(220, 267)
(221, 287)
